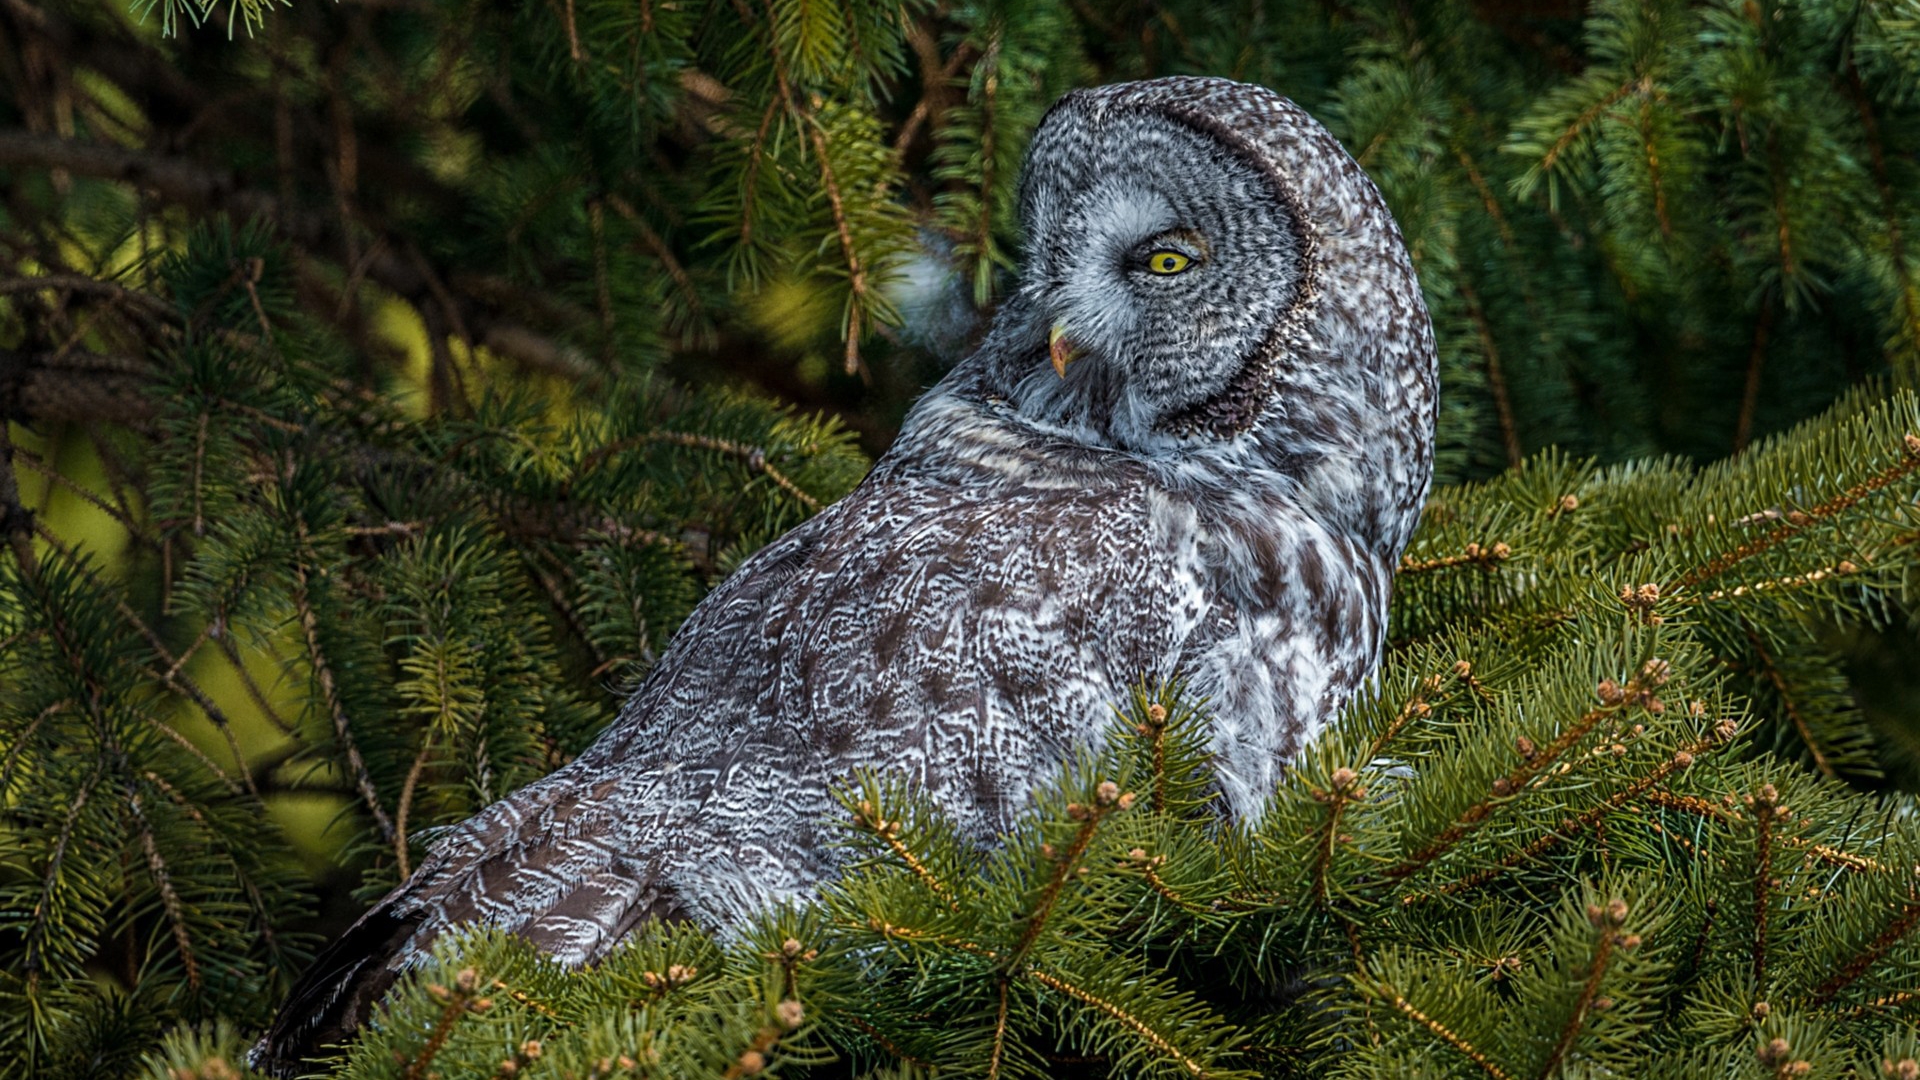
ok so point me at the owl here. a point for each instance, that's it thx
(1194, 441)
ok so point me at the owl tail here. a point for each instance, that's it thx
(336, 994)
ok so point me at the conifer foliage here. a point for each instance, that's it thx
(383, 383)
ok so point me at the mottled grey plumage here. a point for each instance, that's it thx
(1219, 485)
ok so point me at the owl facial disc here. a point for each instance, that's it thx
(1159, 259)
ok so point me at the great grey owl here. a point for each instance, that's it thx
(1195, 440)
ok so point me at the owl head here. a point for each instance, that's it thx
(1207, 270)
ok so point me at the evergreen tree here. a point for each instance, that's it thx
(383, 383)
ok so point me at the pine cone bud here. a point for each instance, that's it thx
(752, 1062)
(791, 1013)
(1107, 793)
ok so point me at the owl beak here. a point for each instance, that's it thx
(1061, 350)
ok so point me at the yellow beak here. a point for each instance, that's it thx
(1060, 350)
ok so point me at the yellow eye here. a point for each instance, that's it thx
(1167, 262)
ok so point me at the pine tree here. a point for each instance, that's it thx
(384, 383)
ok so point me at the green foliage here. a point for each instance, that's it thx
(384, 385)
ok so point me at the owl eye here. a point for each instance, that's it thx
(1167, 262)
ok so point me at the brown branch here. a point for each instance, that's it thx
(1762, 885)
(1793, 523)
(1064, 864)
(884, 1043)
(1883, 943)
(1487, 558)
(1773, 675)
(1571, 1031)
(1496, 379)
(1586, 117)
(856, 274)
(1487, 198)
(999, 1034)
(1157, 884)
(169, 670)
(867, 818)
(459, 1001)
(74, 387)
(1444, 1033)
(1514, 781)
(163, 883)
(134, 532)
(754, 457)
(1653, 168)
(406, 802)
(1750, 396)
(1127, 1020)
(330, 693)
(1572, 827)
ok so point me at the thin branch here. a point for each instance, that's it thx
(1444, 1033)
(1750, 396)
(1793, 524)
(754, 457)
(163, 882)
(1883, 943)
(1496, 378)
(1128, 1020)
(1772, 672)
(1571, 1030)
(330, 694)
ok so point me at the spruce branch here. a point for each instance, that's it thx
(458, 1002)
(1568, 829)
(1108, 800)
(1608, 920)
(1132, 1023)
(170, 902)
(869, 820)
(1487, 557)
(1762, 805)
(330, 694)
(1896, 931)
(999, 1052)
(1798, 521)
(1385, 991)
(856, 273)
(1772, 672)
(1496, 378)
(1614, 700)
(754, 457)
(169, 671)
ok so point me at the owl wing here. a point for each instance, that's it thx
(962, 629)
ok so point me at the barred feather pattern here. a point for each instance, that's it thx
(1218, 486)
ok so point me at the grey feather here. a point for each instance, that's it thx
(1219, 486)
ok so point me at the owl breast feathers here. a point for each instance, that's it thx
(1194, 441)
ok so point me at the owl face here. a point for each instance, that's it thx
(1159, 258)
